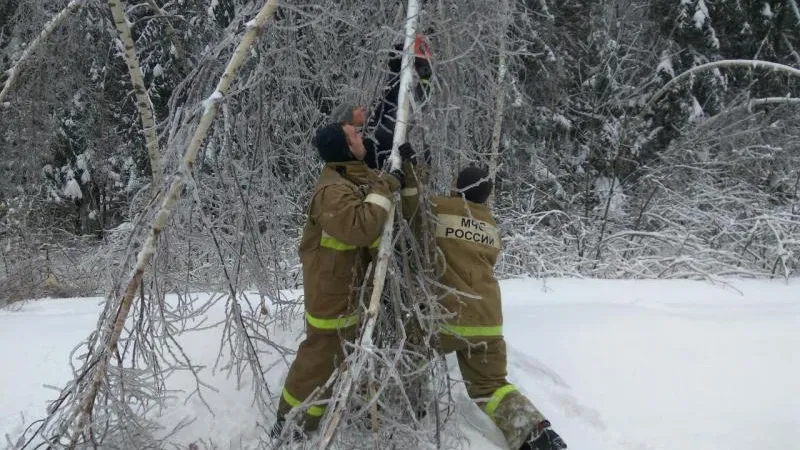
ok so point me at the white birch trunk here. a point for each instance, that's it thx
(143, 103)
(384, 251)
(14, 71)
(400, 130)
(500, 105)
(148, 250)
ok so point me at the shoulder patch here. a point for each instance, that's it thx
(450, 226)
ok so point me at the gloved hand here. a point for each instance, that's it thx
(396, 58)
(426, 154)
(423, 68)
(407, 153)
(422, 64)
(397, 173)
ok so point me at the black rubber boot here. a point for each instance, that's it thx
(544, 439)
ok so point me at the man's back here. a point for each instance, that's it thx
(467, 236)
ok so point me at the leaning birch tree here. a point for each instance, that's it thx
(500, 104)
(143, 104)
(75, 424)
(352, 374)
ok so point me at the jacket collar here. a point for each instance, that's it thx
(356, 172)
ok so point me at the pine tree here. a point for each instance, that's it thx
(692, 40)
(761, 30)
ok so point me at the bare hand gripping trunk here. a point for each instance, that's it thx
(143, 103)
(98, 374)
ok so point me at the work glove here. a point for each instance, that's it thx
(423, 68)
(422, 63)
(397, 173)
(396, 58)
(426, 154)
(407, 153)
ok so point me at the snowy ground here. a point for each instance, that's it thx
(615, 364)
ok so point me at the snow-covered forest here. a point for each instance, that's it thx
(627, 138)
(596, 176)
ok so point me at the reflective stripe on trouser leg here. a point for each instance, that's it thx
(471, 331)
(316, 360)
(497, 397)
(316, 411)
(484, 369)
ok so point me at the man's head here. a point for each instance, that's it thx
(474, 184)
(348, 113)
(338, 142)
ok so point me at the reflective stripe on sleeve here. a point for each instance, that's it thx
(409, 192)
(377, 199)
(332, 324)
(467, 331)
(316, 411)
(332, 243)
(498, 397)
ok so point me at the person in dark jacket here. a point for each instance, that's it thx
(379, 126)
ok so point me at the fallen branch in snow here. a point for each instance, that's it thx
(14, 71)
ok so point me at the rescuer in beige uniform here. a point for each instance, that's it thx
(468, 240)
(348, 209)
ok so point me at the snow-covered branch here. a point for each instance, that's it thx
(726, 63)
(14, 71)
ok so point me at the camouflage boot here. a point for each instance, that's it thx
(517, 418)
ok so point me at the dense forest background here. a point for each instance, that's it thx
(600, 172)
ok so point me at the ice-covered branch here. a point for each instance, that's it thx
(727, 63)
(14, 71)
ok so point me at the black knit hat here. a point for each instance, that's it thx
(474, 184)
(331, 143)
